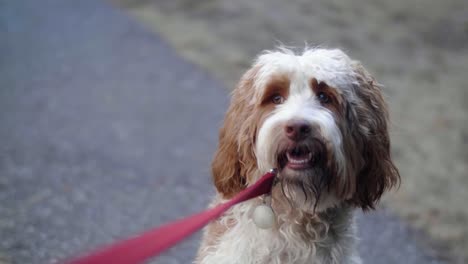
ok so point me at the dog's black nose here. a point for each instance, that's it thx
(297, 129)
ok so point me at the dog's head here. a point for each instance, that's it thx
(318, 117)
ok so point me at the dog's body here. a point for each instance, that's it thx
(319, 118)
(292, 242)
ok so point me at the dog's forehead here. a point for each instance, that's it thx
(331, 66)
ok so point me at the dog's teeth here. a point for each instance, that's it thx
(299, 161)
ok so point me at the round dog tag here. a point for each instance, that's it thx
(264, 216)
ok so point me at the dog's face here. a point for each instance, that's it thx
(319, 118)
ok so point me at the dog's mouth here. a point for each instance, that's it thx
(298, 157)
(305, 171)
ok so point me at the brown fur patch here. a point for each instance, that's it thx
(336, 101)
(277, 85)
(369, 120)
(227, 164)
(235, 162)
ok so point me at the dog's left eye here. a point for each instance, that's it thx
(323, 97)
(277, 99)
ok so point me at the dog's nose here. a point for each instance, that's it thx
(297, 129)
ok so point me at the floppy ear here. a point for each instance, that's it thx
(234, 158)
(377, 173)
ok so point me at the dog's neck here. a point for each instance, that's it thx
(330, 231)
(302, 236)
(322, 221)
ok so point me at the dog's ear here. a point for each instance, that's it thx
(234, 158)
(378, 172)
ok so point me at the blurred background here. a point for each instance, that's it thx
(109, 113)
(418, 49)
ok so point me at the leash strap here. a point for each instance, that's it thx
(154, 242)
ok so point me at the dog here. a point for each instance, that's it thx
(320, 118)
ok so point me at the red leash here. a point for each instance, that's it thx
(154, 242)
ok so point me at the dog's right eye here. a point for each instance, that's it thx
(277, 99)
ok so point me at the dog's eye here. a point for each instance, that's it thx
(277, 99)
(323, 98)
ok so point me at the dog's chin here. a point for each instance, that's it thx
(305, 177)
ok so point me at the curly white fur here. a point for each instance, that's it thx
(310, 229)
(290, 242)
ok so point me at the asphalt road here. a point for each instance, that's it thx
(105, 132)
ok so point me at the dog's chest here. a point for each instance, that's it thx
(245, 243)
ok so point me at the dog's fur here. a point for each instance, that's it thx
(342, 159)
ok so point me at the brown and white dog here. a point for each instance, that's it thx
(321, 119)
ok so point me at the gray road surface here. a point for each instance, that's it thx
(105, 132)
